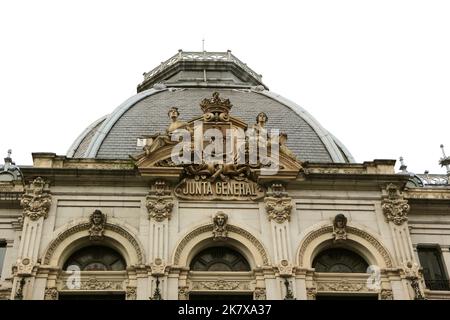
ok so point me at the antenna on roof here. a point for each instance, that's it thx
(445, 161)
(203, 44)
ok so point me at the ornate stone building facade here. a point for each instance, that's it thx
(119, 218)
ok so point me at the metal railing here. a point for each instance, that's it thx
(10, 196)
(433, 179)
(441, 285)
(201, 56)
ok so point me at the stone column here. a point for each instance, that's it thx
(260, 291)
(300, 281)
(173, 290)
(159, 203)
(51, 277)
(183, 284)
(158, 240)
(273, 290)
(395, 209)
(36, 204)
(142, 283)
(311, 285)
(278, 206)
(131, 292)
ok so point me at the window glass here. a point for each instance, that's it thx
(96, 258)
(219, 259)
(433, 268)
(339, 260)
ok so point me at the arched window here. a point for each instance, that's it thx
(339, 260)
(219, 259)
(96, 258)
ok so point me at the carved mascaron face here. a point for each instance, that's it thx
(261, 118)
(283, 138)
(220, 220)
(97, 219)
(340, 221)
(173, 114)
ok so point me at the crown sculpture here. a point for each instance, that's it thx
(216, 109)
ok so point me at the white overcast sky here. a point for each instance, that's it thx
(376, 74)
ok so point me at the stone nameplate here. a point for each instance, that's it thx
(191, 189)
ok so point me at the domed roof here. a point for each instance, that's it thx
(184, 81)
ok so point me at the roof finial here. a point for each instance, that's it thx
(203, 44)
(8, 160)
(10, 166)
(403, 166)
(445, 161)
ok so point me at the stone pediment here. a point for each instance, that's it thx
(217, 147)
